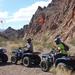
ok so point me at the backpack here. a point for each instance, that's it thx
(66, 47)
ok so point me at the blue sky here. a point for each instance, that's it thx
(17, 13)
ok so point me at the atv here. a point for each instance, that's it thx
(66, 62)
(3, 55)
(27, 58)
(49, 59)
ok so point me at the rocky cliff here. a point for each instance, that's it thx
(57, 18)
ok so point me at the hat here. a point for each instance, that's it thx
(29, 39)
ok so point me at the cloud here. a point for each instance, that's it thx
(24, 14)
(3, 14)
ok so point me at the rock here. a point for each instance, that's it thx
(58, 17)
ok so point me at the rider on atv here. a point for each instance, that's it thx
(18, 54)
(29, 45)
(61, 47)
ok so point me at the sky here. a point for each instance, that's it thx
(17, 13)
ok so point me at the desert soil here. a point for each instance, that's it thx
(11, 69)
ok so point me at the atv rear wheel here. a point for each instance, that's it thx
(61, 68)
(26, 61)
(61, 65)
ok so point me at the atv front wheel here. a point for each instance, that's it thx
(13, 60)
(45, 66)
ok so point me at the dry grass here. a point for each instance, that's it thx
(9, 45)
(61, 71)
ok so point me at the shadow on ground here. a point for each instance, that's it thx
(9, 64)
(5, 64)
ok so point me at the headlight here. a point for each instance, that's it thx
(44, 58)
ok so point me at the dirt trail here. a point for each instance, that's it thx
(10, 69)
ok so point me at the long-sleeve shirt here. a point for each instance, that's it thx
(29, 46)
(62, 48)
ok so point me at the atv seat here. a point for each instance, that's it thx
(36, 53)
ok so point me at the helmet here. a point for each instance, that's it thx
(58, 36)
(57, 40)
(29, 39)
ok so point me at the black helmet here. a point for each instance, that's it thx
(57, 36)
(29, 39)
(57, 40)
